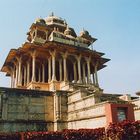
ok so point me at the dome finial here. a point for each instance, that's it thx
(67, 27)
(52, 14)
(65, 23)
(67, 31)
(84, 33)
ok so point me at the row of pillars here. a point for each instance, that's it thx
(22, 75)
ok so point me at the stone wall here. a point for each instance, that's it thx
(83, 112)
(18, 126)
(88, 123)
(35, 110)
(23, 110)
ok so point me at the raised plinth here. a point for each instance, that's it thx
(38, 86)
(50, 86)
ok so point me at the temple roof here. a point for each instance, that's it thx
(62, 31)
(42, 50)
(54, 33)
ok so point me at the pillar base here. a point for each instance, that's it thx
(79, 81)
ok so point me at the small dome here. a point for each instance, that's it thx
(40, 20)
(54, 19)
(84, 33)
(68, 31)
(138, 93)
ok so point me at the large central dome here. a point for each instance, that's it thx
(51, 19)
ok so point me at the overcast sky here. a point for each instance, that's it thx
(115, 23)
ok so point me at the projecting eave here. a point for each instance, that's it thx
(102, 61)
(28, 45)
(105, 60)
(34, 25)
(100, 53)
(93, 40)
(101, 67)
(94, 51)
(7, 62)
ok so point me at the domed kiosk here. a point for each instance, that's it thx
(54, 82)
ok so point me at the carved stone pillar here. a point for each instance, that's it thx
(60, 70)
(28, 72)
(65, 66)
(49, 69)
(88, 70)
(93, 78)
(16, 78)
(12, 77)
(96, 76)
(53, 55)
(19, 71)
(84, 76)
(75, 72)
(25, 76)
(39, 74)
(79, 68)
(21, 78)
(33, 66)
(43, 73)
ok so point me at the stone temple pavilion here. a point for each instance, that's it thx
(54, 82)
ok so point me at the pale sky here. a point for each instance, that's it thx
(115, 23)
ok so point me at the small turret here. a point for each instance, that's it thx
(86, 36)
(40, 21)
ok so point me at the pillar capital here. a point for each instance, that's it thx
(88, 59)
(11, 69)
(33, 53)
(52, 53)
(18, 58)
(78, 57)
(64, 55)
(15, 63)
(74, 62)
